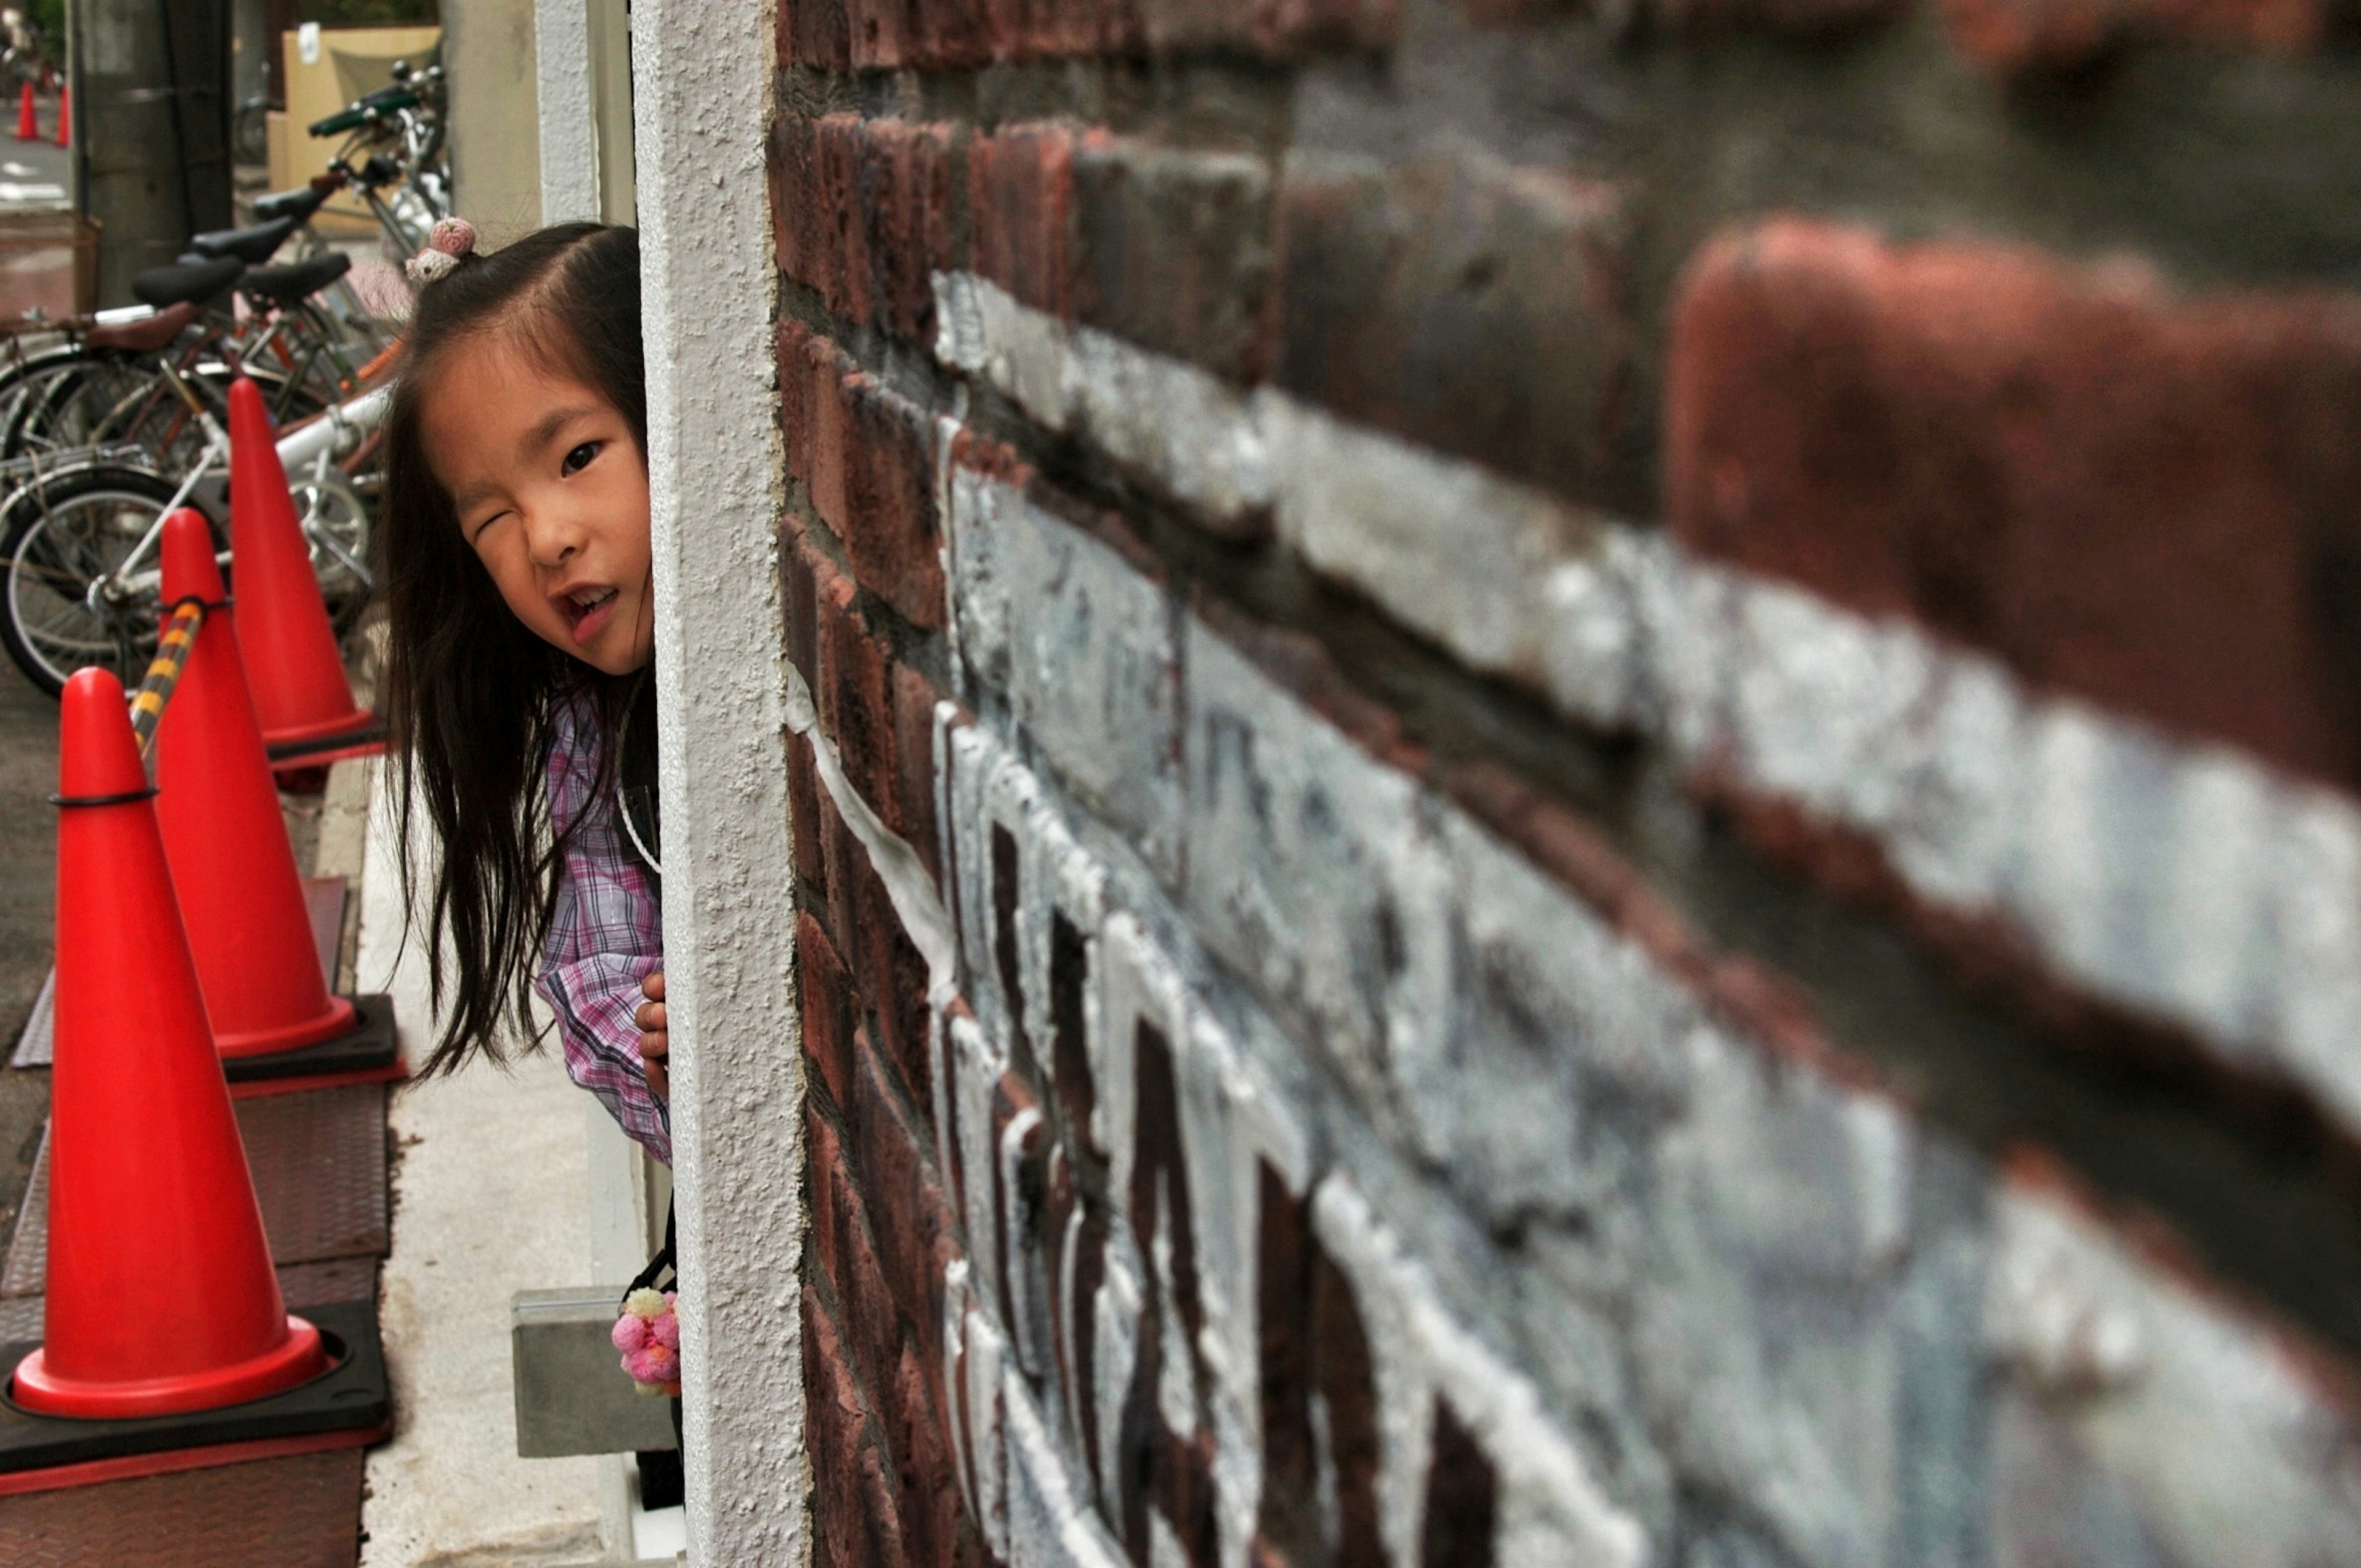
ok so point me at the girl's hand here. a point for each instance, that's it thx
(655, 1041)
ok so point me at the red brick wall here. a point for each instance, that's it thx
(1579, 784)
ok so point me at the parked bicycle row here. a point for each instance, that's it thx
(107, 422)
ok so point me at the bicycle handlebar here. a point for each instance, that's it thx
(361, 110)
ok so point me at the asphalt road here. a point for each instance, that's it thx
(28, 769)
(33, 173)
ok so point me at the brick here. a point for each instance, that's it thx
(865, 456)
(855, 1518)
(910, 1405)
(1173, 251)
(915, 698)
(887, 507)
(854, 690)
(1273, 29)
(805, 824)
(1462, 1499)
(845, 859)
(1021, 201)
(1476, 309)
(827, 1006)
(917, 1235)
(873, 1327)
(1702, 20)
(2055, 36)
(891, 977)
(815, 33)
(866, 210)
(2137, 497)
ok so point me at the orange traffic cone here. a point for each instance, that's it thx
(65, 116)
(292, 664)
(161, 1297)
(241, 897)
(28, 125)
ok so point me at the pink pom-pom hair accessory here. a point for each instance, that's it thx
(450, 241)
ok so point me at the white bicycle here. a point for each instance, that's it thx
(78, 540)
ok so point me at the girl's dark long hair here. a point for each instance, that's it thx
(467, 692)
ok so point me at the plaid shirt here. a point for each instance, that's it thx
(606, 935)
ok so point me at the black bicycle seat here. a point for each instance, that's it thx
(299, 204)
(252, 246)
(186, 282)
(285, 285)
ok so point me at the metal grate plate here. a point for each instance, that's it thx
(318, 1161)
(323, 901)
(303, 1512)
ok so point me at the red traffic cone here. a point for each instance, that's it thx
(65, 116)
(241, 897)
(292, 664)
(161, 1297)
(28, 125)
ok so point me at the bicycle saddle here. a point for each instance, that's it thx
(252, 246)
(285, 285)
(192, 282)
(144, 336)
(299, 204)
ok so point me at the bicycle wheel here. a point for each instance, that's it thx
(63, 533)
(71, 529)
(101, 399)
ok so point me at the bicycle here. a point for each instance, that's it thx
(78, 549)
(406, 115)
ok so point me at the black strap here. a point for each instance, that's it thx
(652, 1276)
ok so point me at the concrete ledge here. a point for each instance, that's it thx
(571, 1397)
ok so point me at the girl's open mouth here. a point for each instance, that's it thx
(590, 609)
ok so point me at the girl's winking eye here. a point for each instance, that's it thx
(579, 458)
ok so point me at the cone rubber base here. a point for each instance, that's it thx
(349, 1404)
(371, 1044)
(339, 1019)
(297, 1359)
(295, 745)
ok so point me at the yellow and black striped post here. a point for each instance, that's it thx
(164, 670)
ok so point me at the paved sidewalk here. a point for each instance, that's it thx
(490, 1198)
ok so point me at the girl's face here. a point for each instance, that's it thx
(552, 492)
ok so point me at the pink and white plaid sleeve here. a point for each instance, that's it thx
(606, 935)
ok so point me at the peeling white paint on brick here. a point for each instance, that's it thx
(1092, 667)
(908, 886)
(2144, 1396)
(1552, 1511)
(2176, 878)
(1179, 426)
(1048, 1526)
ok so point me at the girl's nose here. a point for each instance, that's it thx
(552, 537)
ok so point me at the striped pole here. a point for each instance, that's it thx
(164, 670)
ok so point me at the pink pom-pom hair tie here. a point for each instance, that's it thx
(451, 240)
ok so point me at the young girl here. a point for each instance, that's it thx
(514, 556)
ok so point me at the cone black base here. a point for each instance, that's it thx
(362, 739)
(371, 1044)
(41, 1453)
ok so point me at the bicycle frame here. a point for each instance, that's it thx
(318, 443)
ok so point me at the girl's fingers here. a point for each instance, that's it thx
(655, 1042)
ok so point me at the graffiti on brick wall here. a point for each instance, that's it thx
(1224, 1351)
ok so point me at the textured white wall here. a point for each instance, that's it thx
(569, 131)
(701, 97)
(487, 48)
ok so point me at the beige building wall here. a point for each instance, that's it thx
(488, 50)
